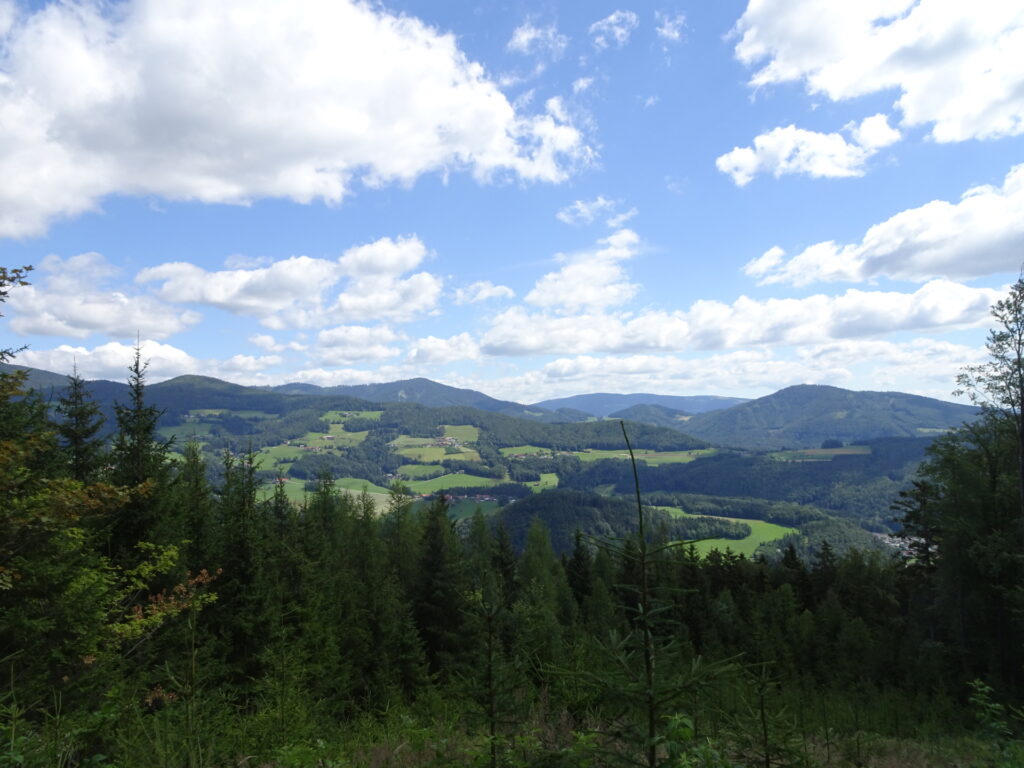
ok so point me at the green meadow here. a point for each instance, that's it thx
(523, 449)
(452, 481)
(463, 433)
(760, 533)
(547, 480)
(654, 458)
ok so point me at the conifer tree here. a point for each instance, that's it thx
(440, 595)
(80, 421)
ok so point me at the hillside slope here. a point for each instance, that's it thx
(432, 394)
(606, 403)
(803, 416)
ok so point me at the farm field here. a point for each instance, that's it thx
(760, 533)
(654, 458)
(343, 416)
(452, 481)
(523, 449)
(464, 433)
(184, 432)
(463, 508)
(821, 454)
(422, 450)
(547, 480)
(418, 471)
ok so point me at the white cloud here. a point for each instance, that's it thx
(284, 286)
(434, 351)
(110, 361)
(585, 211)
(590, 279)
(68, 299)
(670, 26)
(875, 132)
(530, 39)
(296, 292)
(615, 28)
(383, 257)
(715, 325)
(982, 234)
(581, 84)
(957, 66)
(132, 101)
(249, 363)
(346, 344)
(795, 150)
(619, 219)
(270, 344)
(482, 291)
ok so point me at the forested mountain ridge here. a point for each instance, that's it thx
(606, 403)
(433, 394)
(805, 415)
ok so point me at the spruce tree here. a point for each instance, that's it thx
(80, 422)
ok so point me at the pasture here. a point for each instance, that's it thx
(452, 481)
(654, 458)
(760, 533)
(463, 433)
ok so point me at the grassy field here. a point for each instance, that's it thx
(423, 450)
(183, 432)
(342, 416)
(341, 437)
(547, 480)
(295, 491)
(821, 454)
(527, 449)
(286, 452)
(416, 471)
(463, 508)
(451, 481)
(200, 412)
(760, 533)
(424, 454)
(358, 484)
(463, 433)
(655, 458)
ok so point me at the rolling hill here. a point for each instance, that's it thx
(605, 403)
(434, 395)
(805, 415)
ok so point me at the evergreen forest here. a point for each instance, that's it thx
(158, 608)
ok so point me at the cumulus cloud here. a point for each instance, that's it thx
(482, 291)
(982, 234)
(68, 299)
(715, 325)
(110, 361)
(296, 292)
(347, 344)
(875, 132)
(532, 40)
(789, 149)
(615, 29)
(591, 279)
(670, 26)
(956, 66)
(434, 351)
(131, 100)
(270, 344)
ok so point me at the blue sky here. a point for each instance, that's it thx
(529, 199)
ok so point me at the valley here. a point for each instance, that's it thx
(428, 439)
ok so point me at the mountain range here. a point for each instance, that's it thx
(798, 417)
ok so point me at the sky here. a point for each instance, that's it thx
(528, 199)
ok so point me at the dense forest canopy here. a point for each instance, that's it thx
(151, 617)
